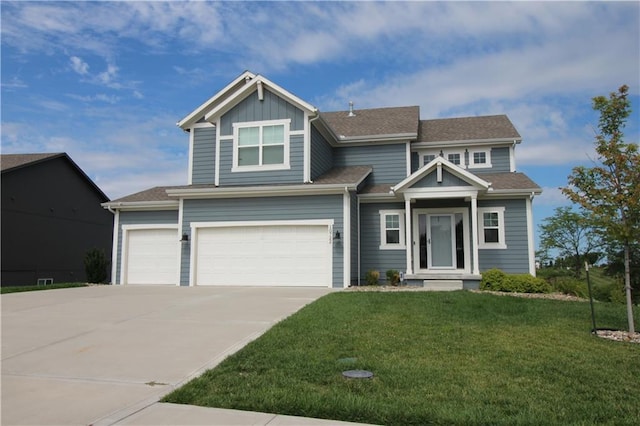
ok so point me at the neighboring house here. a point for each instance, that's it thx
(51, 216)
(280, 194)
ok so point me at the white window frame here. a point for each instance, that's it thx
(501, 244)
(260, 124)
(460, 156)
(474, 165)
(401, 245)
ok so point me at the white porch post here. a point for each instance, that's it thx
(408, 234)
(474, 234)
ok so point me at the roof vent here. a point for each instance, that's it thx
(351, 113)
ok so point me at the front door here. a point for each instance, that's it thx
(439, 239)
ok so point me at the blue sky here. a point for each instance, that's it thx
(107, 81)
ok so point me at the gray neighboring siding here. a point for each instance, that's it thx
(515, 258)
(251, 108)
(448, 179)
(371, 257)
(292, 175)
(354, 238)
(204, 155)
(388, 161)
(500, 162)
(263, 209)
(321, 154)
(141, 218)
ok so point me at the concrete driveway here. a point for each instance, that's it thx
(96, 355)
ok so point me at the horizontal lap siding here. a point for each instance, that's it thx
(431, 181)
(204, 155)
(141, 218)
(388, 161)
(371, 257)
(294, 175)
(321, 154)
(515, 258)
(500, 162)
(265, 209)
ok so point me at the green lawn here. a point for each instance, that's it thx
(438, 358)
(18, 289)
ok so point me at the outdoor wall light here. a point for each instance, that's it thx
(337, 236)
(185, 238)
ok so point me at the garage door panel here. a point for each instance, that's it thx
(280, 255)
(152, 256)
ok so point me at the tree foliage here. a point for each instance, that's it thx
(610, 190)
(572, 234)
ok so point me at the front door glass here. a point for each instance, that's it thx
(441, 241)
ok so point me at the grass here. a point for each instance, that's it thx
(18, 289)
(438, 358)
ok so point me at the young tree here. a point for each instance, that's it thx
(610, 190)
(571, 234)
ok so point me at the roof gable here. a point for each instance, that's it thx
(491, 127)
(417, 178)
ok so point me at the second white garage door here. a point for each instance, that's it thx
(273, 255)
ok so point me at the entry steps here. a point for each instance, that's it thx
(442, 285)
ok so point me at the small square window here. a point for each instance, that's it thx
(454, 158)
(479, 158)
(261, 145)
(428, 158)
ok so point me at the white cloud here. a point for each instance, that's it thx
(14, 83)
(79, 66)
(552, 197)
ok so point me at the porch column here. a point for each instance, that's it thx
(408, 234)
(474, 234)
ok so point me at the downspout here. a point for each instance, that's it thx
(114, 243)
(358, 212)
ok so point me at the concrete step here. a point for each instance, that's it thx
(443, 285)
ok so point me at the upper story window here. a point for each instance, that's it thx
(426, 159)
(479, 159)
(491, 228)
(262, 145)
(454, 158)
(392, 229)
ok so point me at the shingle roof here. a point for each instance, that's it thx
(158, 193)
(12, 161)
(344, 175)
(377, 121)
(503, 181)
(467, 128)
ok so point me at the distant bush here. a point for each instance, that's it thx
(497, 280)
(372, 277)
(571, 286)
(95, 264)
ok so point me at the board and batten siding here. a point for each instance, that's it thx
(251, 108)
(515, 258)
(389, 162)
(149, 218)
(265, 209)
(294, 175)
(371, 257)
(321, 154)
(204, 155)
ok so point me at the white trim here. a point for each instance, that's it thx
(180, 224)
(124, 263)
(465, 236)
(474, 236)
(192, 138)
(457, 171)
(115, 245)
(501, 244)
(452, 240)
(408, 236)
(286, 123)
(530, 242)
(346, 246)
(204, 125)
(512, 157)
(408, 158)
(306, 150)
(438, 193)
(142, 205)
(486, 165)
(401, 231)
(260, 191)
(465, 143)
(216, 179)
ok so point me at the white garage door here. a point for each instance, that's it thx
(152, 256)
(282, 255)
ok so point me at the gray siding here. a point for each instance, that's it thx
(140, 218)
(500, 162)
(354, 238)
(259, 209)
(321, 154)
(448, 179)
(515, 258)
(204, 155)
(251, 108)
(415, 162)
(388, 161)
(371, 257)
(293, 175)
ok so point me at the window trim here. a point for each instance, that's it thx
(474, 165)
(401, 245)
(501, 244)
(254, 168)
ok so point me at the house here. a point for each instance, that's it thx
(51, 216)
(281, 194)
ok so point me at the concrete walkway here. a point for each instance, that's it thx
(105, 355)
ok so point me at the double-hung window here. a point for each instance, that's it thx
(491, 228)
(392, 229)
(261, 145)
(479, 159)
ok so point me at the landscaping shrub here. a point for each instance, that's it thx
(393, 277)
(571, 286)
(493, 279)
(95, 264)
(497, 280)
(372, 277)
